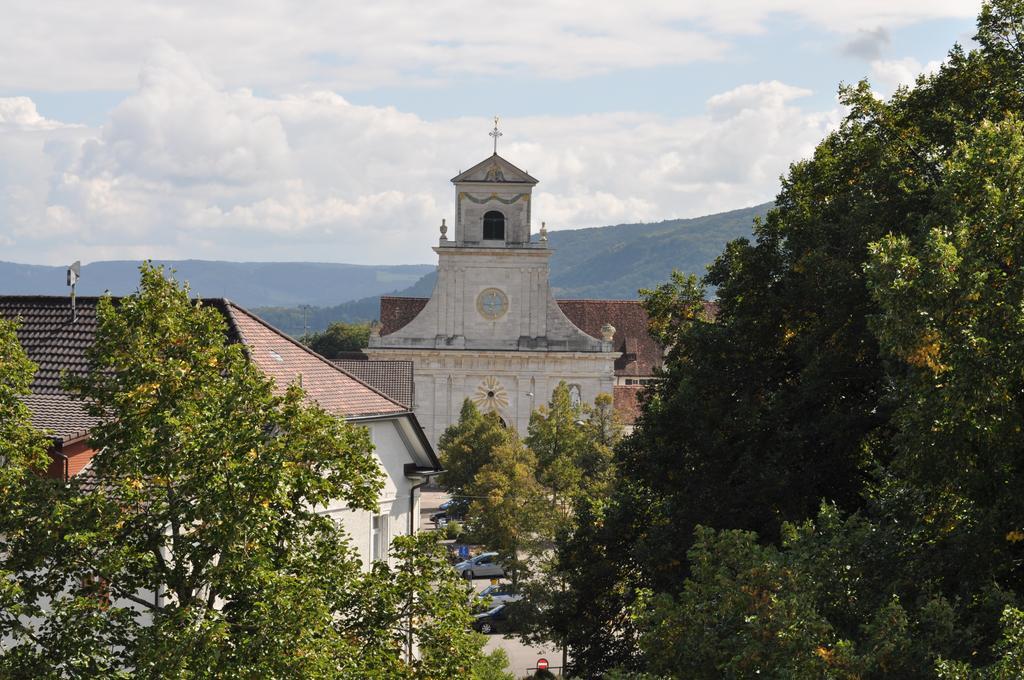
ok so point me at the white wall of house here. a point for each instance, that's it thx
(371, 533)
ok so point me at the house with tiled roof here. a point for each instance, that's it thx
(57, 338)
(492, 331)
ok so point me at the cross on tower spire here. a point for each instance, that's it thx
(495, 133)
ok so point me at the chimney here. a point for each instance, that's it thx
(74, 272)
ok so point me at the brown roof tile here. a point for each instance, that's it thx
(287, 361)
(641, 353)
(58, 345)
(58, 415)
(396, 312)
(50, 337)
(626, 401)
(391, 377)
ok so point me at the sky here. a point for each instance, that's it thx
(328, 130)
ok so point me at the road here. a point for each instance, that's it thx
(520, 657)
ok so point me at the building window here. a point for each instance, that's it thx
(378, 537)
(641, 381)
(494, 226)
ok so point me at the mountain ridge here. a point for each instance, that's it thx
(251, 284)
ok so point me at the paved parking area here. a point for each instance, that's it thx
(521, 657)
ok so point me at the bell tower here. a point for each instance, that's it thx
(492, 204)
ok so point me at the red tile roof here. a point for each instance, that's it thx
(287, 361)
(640, 353)
(396, 312)
(626, 401)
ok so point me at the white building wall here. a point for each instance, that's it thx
(392, 452)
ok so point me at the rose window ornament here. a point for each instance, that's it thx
(491, 395)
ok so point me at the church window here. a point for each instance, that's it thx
(494, 226)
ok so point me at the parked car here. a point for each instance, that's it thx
(455, 508)
(498, 593)
(492, 620)
(484, 565)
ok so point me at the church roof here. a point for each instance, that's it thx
(396, 312)
(626, 402)
(640, 354)
(495, 169)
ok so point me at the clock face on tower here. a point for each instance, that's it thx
(492, 304)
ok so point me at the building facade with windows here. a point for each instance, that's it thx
(493, 332)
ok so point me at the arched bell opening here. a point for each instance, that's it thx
(494, 226)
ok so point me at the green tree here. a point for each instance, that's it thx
(864, 375)
(193, 548)
(573, 444)
(23, 487)
(510, 508)
(468, 445)
(1010, 648)
(951, 323)
(742, 613)
(339, 337)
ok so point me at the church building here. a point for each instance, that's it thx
(492, 330)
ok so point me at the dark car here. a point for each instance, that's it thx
(456, 508)
(492, 620)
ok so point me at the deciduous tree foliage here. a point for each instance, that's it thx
(510, 510)
(866, 352)
(338, 338)
(193, 547)
(23, 462)
(467, 446)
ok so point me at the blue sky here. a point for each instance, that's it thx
(328, 131)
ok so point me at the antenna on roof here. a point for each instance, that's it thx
(74, 273)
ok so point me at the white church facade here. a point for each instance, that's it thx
(493, 332)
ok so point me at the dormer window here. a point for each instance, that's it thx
(494, 226)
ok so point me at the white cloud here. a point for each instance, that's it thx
(70, 45)
(754, 97)
(187, 167)
(887, 75)
(21, 113)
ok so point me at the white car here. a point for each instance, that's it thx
(484, 565)
(499, 593)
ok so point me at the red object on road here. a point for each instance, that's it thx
(542, 664)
